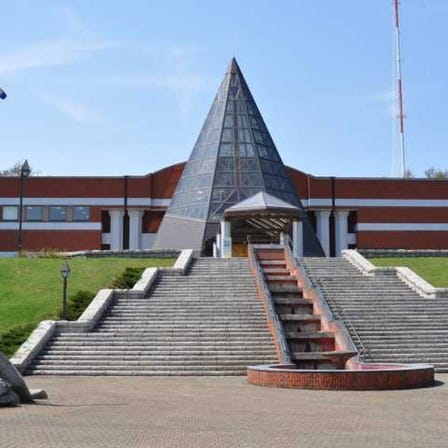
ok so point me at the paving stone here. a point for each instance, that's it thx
(142, 412)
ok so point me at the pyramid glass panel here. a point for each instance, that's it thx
(233, 158)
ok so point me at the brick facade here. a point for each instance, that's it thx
(377, 213)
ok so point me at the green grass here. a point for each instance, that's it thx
(31, 288)
(433, 269)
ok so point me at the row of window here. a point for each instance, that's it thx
(42, 213)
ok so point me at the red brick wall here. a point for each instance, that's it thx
(403, 214)
(403, 240)
(47, 239)
(343, 379)
(164, 181)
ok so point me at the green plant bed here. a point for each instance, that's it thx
(433, 269)
(14, 337)
(128, 278)
(31, 288)
(77, 303)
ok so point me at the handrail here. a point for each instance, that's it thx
(288, 242)
(337, 313)
(269, 305)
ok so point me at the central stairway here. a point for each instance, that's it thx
(386, 319)
(309, 346)
(209, 322)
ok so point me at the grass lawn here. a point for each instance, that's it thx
(433, 269)
(31, 288)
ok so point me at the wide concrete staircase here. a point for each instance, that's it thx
(387, 320)
(209, 322)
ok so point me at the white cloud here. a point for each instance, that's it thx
(168, 67)
(182, 85)
(171, 72)
(49, 54)
(385, 96)
(76, 43)
(73, 22)
(76, 110)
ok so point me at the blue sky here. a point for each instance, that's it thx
(114, 88)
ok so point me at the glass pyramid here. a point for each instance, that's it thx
(233, 158)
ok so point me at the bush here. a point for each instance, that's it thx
(78, 302)
(12, 339)
(128, 278)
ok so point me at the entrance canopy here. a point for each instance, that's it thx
(262, 218)
(265, 212)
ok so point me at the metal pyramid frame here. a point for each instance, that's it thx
(233, 158)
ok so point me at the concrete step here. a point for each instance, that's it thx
(183, 312)
(392, 320)
(204, 345)
(180, 364)
(309, 335)
(212, 371)
(167, 335)
(185, 323)
(208, 322)
(148, 360)
(128, 329)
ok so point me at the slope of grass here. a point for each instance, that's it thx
(31, 288)
(433, 269)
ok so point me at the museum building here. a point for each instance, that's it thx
(233, 189)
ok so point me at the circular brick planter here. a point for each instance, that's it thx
(363, 377)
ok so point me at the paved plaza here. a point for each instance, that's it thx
(221, 412)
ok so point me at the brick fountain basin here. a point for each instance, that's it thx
(360, 376)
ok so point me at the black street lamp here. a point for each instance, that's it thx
(2, 94)
(24, 174)
(65, 272)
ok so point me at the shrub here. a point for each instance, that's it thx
(128, 278)
(78, 302)
(12, 339)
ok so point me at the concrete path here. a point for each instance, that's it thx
(221, 412)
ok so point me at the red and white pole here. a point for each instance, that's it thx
(400, 114)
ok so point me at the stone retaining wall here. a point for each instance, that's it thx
(149, 253)
(397, 253)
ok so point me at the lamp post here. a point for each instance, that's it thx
(24, 173)
(65, 272)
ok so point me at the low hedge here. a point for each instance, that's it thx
(128, 278)
(14, 338)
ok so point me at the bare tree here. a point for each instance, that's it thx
(14, 171)
(434, 173)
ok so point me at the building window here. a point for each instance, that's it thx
(10, 213)
(105, 221)
(57, 213)
(81, 213)
(34, 213)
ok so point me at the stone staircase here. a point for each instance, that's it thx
(387, 320)
(209, 322)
